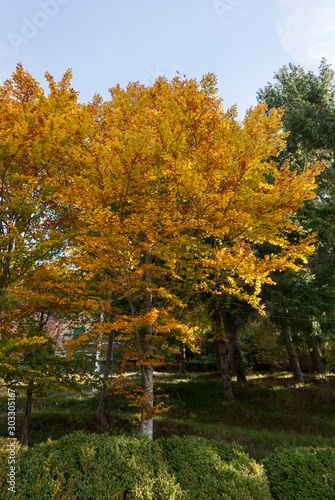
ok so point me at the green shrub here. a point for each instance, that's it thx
(302, 473)
(94, 467)
(210, 470)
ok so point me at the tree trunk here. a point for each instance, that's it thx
(182, 360)
(226, 380)
(317, 363)
(25, 428)
(235, 355)
(148, 395)
(295, 367)
(147, 370)
(101, 417)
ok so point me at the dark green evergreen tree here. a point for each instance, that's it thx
(303, 302)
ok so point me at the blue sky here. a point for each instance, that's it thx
(106, 42)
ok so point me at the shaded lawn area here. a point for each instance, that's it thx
(269, 411)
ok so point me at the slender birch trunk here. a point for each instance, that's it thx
(101, 417)
(147, 370)
(147, 420)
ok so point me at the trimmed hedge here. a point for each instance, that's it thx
(98, 467)
(302, 473)
(209, 470)
(94, 467)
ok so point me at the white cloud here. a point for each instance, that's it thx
(307, 30)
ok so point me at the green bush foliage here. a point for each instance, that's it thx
(209, 470)
(94, 467)
(80, 466)
(302, 473)
(98, 467)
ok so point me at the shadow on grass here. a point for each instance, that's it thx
(268, 411)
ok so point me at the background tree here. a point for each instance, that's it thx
(305, 300)
(261, 342)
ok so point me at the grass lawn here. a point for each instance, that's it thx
(269, 411)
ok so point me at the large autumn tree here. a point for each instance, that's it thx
(171, 194)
